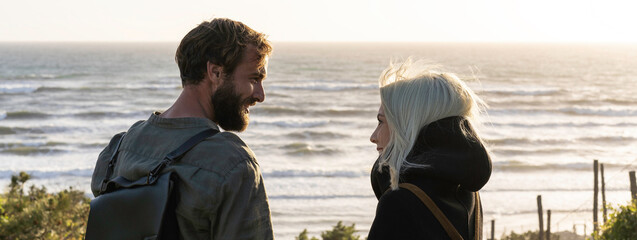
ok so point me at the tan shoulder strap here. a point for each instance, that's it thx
(477, 212)
(446, 224)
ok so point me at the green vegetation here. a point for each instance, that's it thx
(41, 215)
(621, 224)
(339, 232)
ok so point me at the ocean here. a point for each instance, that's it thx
(553, 108)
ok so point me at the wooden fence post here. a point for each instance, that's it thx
(548, 224)
(595, 193)
(492, 229)
(539, 212)
(633, 185)
(603, 194)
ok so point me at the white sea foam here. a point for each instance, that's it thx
(316, 173)
(294, 123)
(602, 111)
(14, 88)
(41, 174)
(520, 90)
(325, 86)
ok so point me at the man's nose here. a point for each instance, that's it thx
(259, 93)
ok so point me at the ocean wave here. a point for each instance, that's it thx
(518, 166)
(523, 91)
(20, 88)
(549, 189)
(573, 111)
(310, 197)
(294, 173)
(532, 151)
(107, 114)
(42, 76)
(609, 112)
(26, 115)
(52, 89)
(29, 150)
(608, 139)
(82, 115)
(336, 112)
(563, 124)
(45, 129)
(149, 86)
(38, 174)
(533, 211)
(274, 110)
(316, 135)
(292, 124)
(326, 87)
(525, 141)
(19, 130)
(559, 141)
(585, 101)
(304, 149)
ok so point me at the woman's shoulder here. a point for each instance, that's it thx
(402, 203)
(401, 215)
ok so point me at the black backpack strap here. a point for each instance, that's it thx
(178, 153)
(111, 165)
(171, 157)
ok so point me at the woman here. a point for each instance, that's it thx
(427, 143)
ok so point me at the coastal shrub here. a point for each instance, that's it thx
(303, 236)
(41, 215)
(621, 224)
(339, 232)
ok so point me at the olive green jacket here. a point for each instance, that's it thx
(220, 191)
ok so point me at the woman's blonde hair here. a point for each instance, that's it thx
(413, 96)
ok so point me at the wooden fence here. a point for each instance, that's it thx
(596, 170)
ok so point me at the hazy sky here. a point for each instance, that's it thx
(325, 20)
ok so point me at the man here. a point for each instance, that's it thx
(220, 189)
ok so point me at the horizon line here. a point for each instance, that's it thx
(333, 42)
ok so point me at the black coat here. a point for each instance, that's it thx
(457, 166)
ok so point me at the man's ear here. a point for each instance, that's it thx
(214, 72)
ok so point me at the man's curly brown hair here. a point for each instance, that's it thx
(222, 42)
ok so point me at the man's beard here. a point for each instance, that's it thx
(229, 108)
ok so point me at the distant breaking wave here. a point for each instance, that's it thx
(563, 124)
(319, 196)
(37, 174)
(40, 76)
(337, 112)
(304, 149)
(292, 124)
(327, 86)
(526, 91)
(557, 141)
(575, 111)
(26, 115)
(513, 166)
(600, 111)
(92, 114)
(316, 135)
(315, 173)
(18, 88)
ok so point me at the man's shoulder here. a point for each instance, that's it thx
(221, 152)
